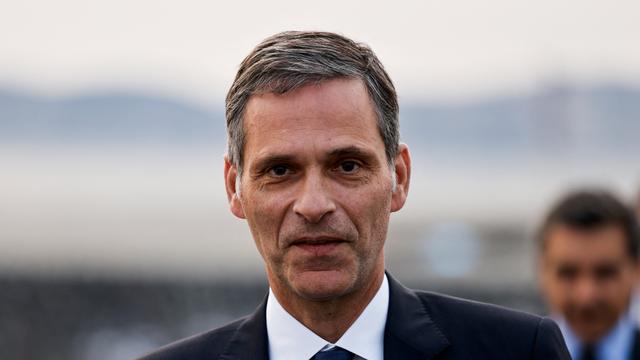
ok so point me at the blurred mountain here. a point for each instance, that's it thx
(559, 119)
(601, 120)
(117, 117)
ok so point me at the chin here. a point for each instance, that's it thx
(591, 336)
(323, 285)
(590, 333)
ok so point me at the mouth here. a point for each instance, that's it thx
(318, 246)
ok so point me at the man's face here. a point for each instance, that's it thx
(316, 188)
(587, 277)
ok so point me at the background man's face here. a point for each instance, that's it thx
(316, 188)
(588, 277)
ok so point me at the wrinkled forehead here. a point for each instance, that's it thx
(329, 110)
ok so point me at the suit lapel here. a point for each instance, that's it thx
(410, 333)
(250, 340)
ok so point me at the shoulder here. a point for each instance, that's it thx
(456, 311)
(209, 344)
(476, 325)
(465, 329)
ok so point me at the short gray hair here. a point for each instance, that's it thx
(292, 59)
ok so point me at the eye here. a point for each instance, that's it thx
(279, 170)
(567, 273)
(606, 272)
(348, 166)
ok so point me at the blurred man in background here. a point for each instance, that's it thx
(588, 268)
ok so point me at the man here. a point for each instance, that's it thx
(588, 268)
(315, 167)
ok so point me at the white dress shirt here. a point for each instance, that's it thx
(290, 340)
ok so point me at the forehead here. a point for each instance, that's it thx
(566, 243)
(326, 114)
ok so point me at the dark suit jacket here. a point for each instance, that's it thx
(420, 325)
(635, 351)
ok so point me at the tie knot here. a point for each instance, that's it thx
(336, 353)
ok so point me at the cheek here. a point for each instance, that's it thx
(620, 292)
(560, 296)
(264, 214)
(558, 291)
(370, 212)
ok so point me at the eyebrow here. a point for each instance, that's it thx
(352, 151)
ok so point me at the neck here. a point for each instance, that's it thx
(330, 319)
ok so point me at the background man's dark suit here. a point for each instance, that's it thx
(635, 351)
(420, 325)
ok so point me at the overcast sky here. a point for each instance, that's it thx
(432, 49)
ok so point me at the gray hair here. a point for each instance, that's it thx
(292, 59)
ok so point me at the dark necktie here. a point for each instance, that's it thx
(334, 354)
(588, 352)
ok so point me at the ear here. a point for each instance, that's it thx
(230, 179)
(402, 168)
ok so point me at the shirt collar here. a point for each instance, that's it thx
(616, 344)
(289, 339)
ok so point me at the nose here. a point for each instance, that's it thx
(586, 290)
(314, 200)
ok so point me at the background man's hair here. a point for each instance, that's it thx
(591, 209)
(289, 60)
